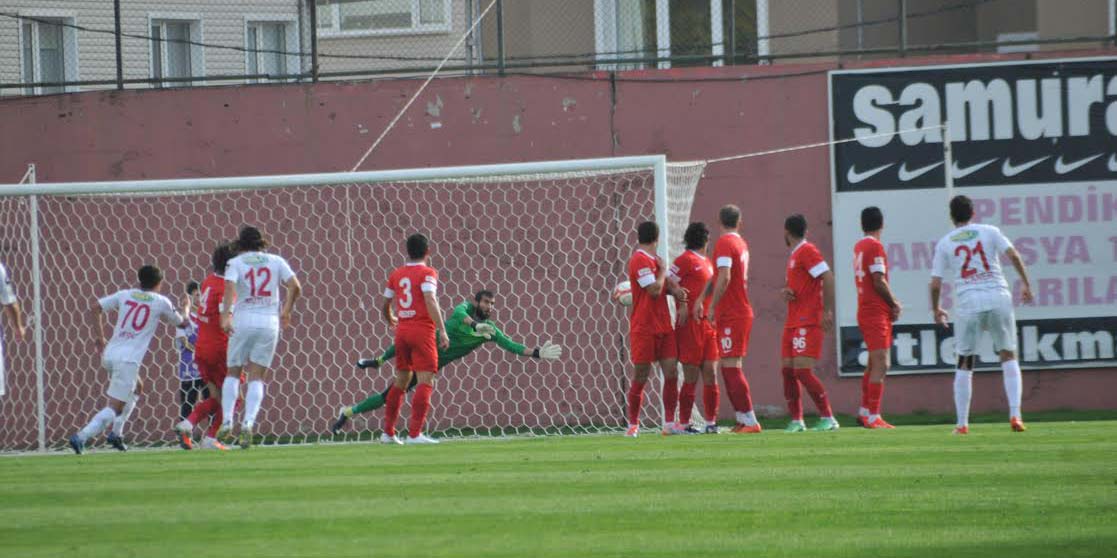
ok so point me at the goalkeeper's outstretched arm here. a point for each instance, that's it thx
(548, 351)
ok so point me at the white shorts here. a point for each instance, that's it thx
(122, 378)
(3, 386)
(1000, 322)
(252, 344)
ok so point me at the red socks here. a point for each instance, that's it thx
(815, 390)
(420, 406)
(686, 402)
(203, 410)
(392, 406)
(792, 394)
(865, 390)
(738, 388)
(876, 393)
(635, 401)
(670, 399)
(711, 397)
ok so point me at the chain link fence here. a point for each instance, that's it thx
(57, 46)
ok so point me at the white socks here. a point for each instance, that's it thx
(229, 391)
(253, 397)
(747, 419)
(102, 419)
(963, 388)
(1013, 386)
(129, 406)
(861, 411)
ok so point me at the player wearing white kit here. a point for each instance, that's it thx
(11, 307)
(971, 253)
(252, 279)
(139, 311)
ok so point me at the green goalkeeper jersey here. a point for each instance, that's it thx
(463, 340)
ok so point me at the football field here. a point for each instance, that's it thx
(914, 491)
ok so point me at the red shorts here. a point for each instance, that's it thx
(876, 331)
(802, 342)
(416, 350)
(652, 347)
(697, 343)
(211, 364)
(733, 337)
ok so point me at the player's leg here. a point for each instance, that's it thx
(711, 395)
(236, 357)
(116, 433)
(379, 361)
(667, 353)
(253, 401)
(420, 408)
(863, 410)
(879, 361)
(393, 401)
(370, 403)
(1002, 327)
(642, 348)
(687, 397)
(734, 339)
(805, 349)
(122, 383)
(792, 394)
(965, 345)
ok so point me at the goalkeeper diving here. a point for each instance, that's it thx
(468, 327)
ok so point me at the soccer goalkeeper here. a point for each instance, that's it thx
(469, 327)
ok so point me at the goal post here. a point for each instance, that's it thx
(550, 238)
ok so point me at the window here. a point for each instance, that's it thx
(172, 54)
(267, 43)
(49, 54)
(642, 29)
(382, 17)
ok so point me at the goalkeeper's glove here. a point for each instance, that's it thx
(483, 329)
(369, 363)
(549, 351)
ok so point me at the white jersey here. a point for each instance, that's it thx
(971, 255)
(7, 294)
(257, 276)
(138, 313)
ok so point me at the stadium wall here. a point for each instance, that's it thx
(696, 113)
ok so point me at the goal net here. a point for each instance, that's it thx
(550, 239)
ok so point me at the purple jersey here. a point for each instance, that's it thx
(187, 370)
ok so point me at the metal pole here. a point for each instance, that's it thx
(313, 40)
(500, 36)
(471, 42)
(37, 313)
(732, 58)
(903, 23)
(948, 161)
(119, 51)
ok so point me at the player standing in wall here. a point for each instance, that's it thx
(697, 340)
(15, 318)
(810, 312)
(252, 281)
(733, 316)
(191, 386)
(983, 303)
(411, 307)
(138, 313)
(877, 308)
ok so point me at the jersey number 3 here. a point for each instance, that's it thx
(405, 296)
(968, 271)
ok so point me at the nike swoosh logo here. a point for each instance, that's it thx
(1009, 169)
(959, 172)
(1063, 168)
(853, 177)
(1113, 163)
(906, 175)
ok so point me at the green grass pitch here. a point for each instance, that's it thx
(915, 491)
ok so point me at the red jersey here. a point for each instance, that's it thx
(692, 271)
(406, 286)
(732, 252)
(804, 269)
(649, 313)
(869, 258)
(210, 333)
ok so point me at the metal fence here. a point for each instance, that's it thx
(56, 46)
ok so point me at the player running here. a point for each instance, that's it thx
(210, 353)
(468, 327)
(252, 280)
(651, 334)
(138, 313)
(10, 304)
(983, 303)
(697, 340)
(732, 317)
(411, 306)
(810, 312)
(877, 308)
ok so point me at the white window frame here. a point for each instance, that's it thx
(334, 30)
(69, 47)
(605, 31)
(291, 36)
(1018, 36)
(197, 53)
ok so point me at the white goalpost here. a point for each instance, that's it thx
(551, 239)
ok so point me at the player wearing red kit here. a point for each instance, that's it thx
(651, 335)
(732, 317)
(209, 354)
(698, 349)
(810, 312)
(877, 308)
(411, 307)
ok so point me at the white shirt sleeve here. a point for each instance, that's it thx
(877, 265)
(7, 294)
(389, 293)
(941, 261)
(725, 261)
(232, 270)
(111, 302)
(285, 271)
(819, 269)
(170, 315)
(430, 284)
(644, 277)
(673, 273)
(1002, 241)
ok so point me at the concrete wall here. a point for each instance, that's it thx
(326, 127)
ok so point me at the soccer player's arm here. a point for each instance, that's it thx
(673, 276)
(547, 351)
(429, 289)
(232, 273)
(386, 308)
(819, 269)
(1004, 246)
(294, 290)
(877, 269)
(111, 302)
(460, 315)
(11, 304)
(938, 267)
(721, 283)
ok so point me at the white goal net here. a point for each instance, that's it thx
(550, 239)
